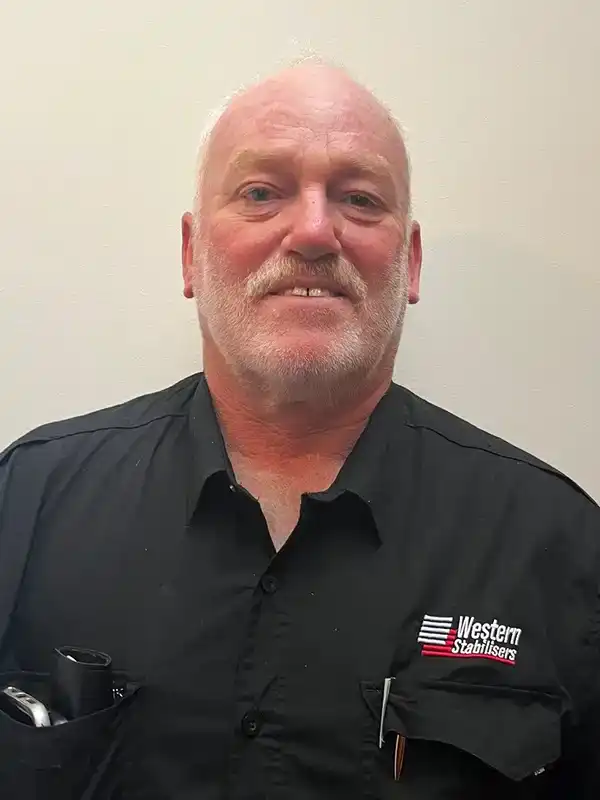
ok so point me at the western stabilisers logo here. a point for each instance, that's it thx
(439, 636)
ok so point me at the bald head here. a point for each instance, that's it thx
(317, 99)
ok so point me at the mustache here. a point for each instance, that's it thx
(335, 270)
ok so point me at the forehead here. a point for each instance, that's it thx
(298, 120)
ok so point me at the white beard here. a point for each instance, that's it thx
(256, 351)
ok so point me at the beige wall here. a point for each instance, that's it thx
(100, 108)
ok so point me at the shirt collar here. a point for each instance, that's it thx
(369, 472)
(208, 453)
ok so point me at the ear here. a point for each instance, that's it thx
(415, 258)
(187, 253)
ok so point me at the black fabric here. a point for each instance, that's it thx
(261, 673)
(59, 762)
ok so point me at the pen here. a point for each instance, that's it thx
(387, 685)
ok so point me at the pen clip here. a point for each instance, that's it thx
(387, 685)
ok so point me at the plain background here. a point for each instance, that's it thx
(101, 106)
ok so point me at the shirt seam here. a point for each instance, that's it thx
(32, 439)
(547, 469)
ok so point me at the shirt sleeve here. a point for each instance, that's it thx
(21, 481)
(580, 775)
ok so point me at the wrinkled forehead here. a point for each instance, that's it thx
(334, 122)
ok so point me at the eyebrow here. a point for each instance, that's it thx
(366, 165)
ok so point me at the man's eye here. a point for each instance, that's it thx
(258, 194)
(360, 200)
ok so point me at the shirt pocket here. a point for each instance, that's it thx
(61, 762)
(462, 740)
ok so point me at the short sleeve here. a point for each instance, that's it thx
(22, 477)
(581, 771)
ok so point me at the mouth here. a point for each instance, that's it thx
(315, 292)
(302, 291)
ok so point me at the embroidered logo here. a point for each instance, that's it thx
(439, 636)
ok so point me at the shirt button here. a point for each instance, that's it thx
(269, 584)
(251, 724)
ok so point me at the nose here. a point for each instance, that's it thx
(312, 234)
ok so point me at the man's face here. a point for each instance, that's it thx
(300, 261)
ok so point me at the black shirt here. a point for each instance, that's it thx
(443, 558)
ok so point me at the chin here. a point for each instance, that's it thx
(302, 370)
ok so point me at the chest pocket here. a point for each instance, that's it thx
(60, 762)
(460, 740)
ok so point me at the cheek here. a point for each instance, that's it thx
(243, 247)
(374, 252)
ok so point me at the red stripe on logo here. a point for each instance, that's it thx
(449, 654)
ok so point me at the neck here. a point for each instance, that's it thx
(274, 433)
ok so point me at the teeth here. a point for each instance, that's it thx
(302, 292)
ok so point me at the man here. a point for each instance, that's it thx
(325, 586)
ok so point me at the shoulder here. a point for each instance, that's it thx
(48, 442)
(460, 444)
